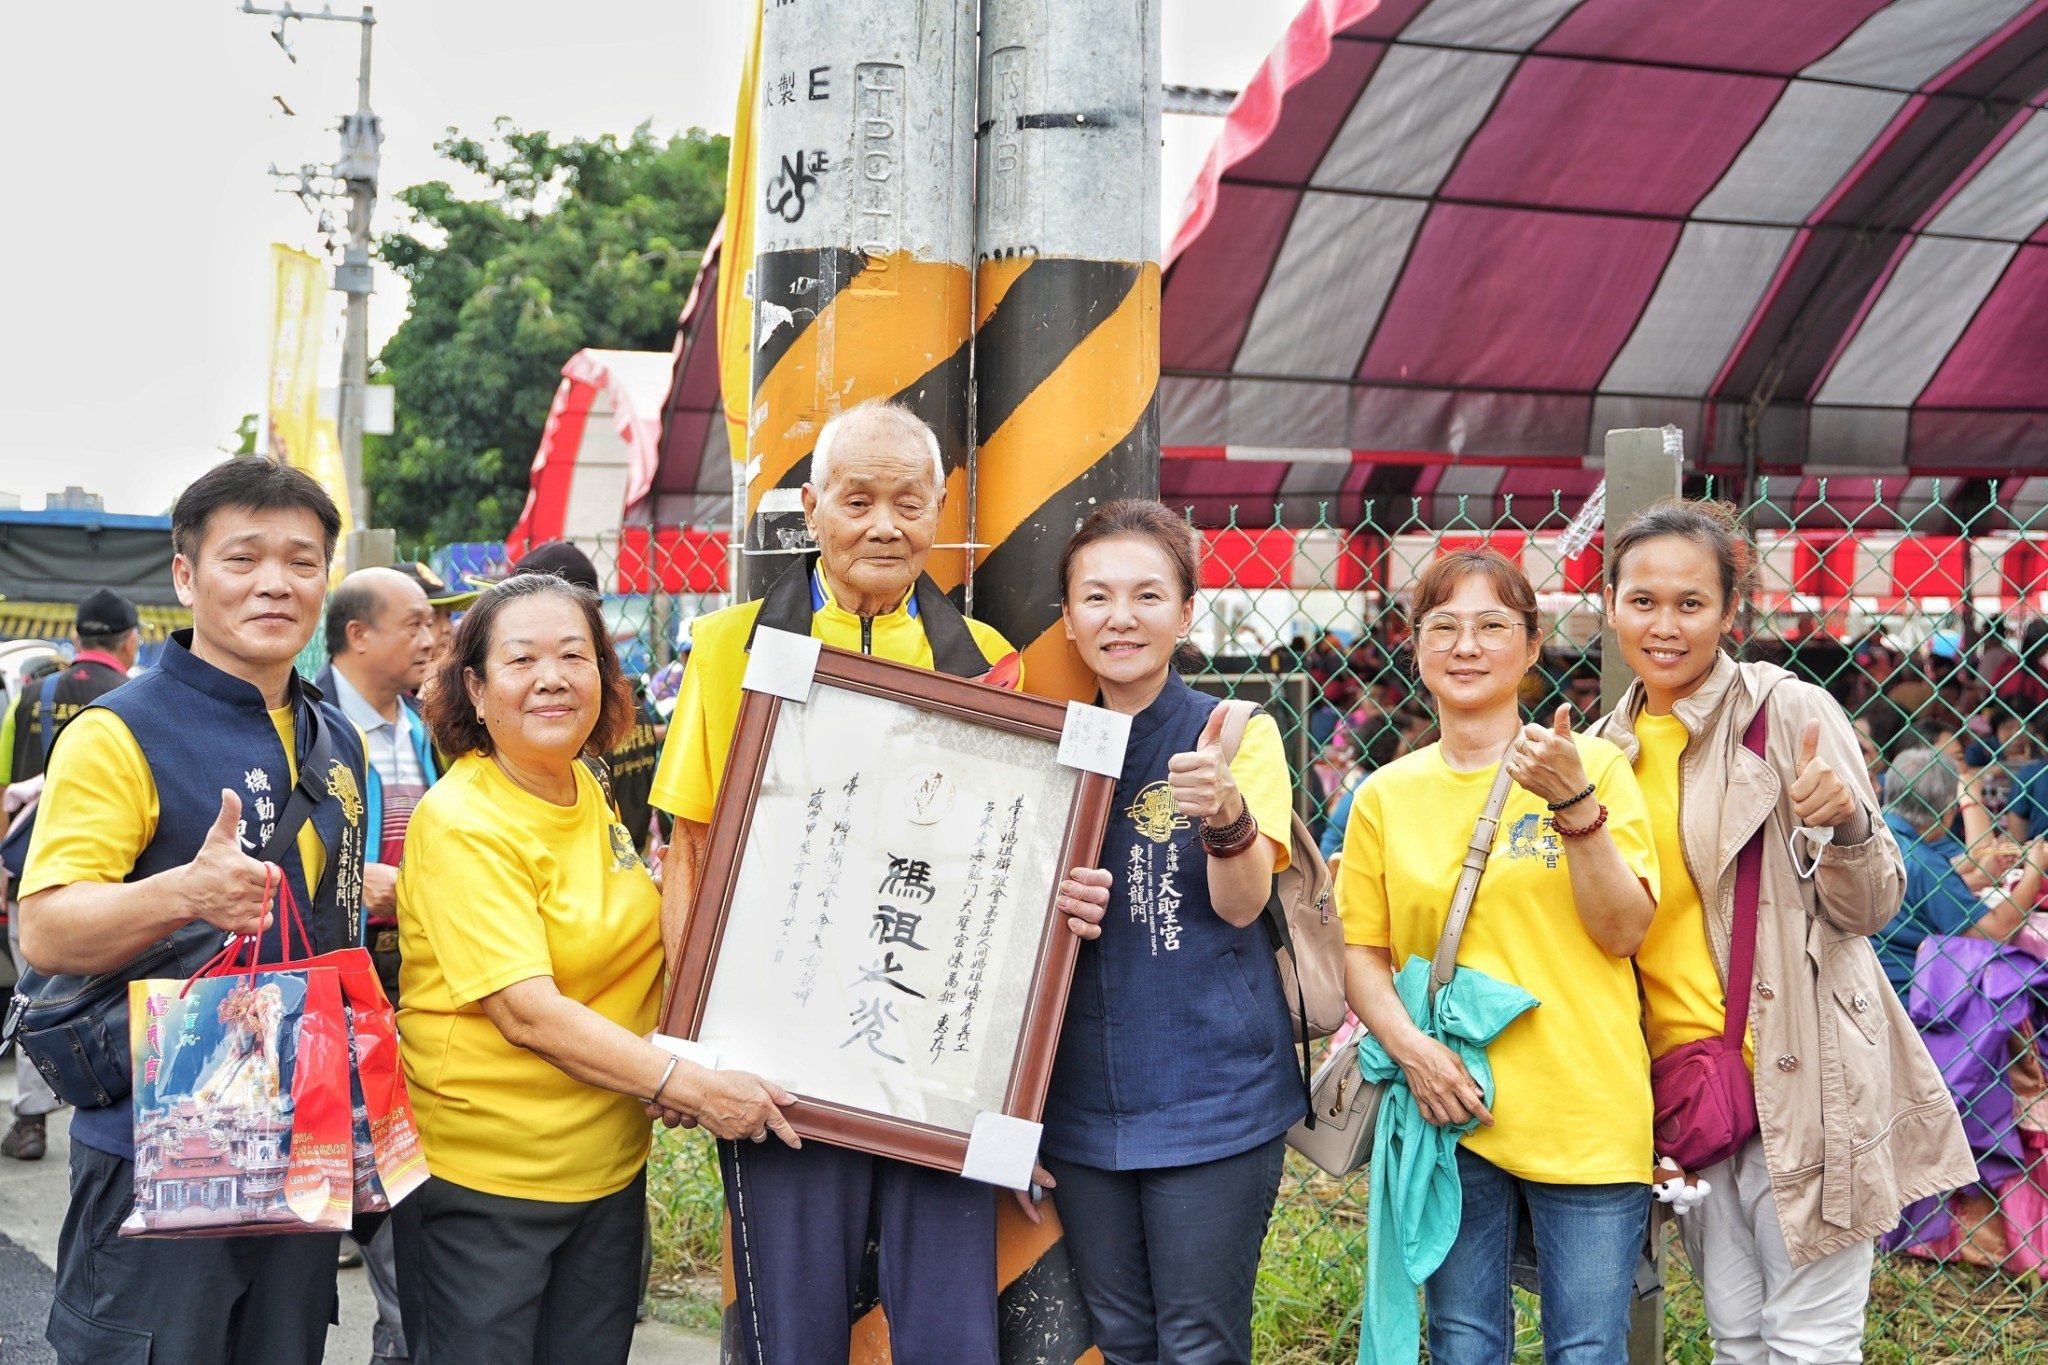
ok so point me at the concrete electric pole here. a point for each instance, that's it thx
(863, 235)
(1066, 350)
(354, 176)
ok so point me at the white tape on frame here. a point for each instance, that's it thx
(782, 664)
(1002, 1150)
(1094, 738)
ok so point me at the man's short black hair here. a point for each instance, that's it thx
(255, 483)
(105, 644)
(355, 600)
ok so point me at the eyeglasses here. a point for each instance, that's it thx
(1440, 634)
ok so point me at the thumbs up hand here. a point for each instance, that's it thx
(1820, 799)
(1545, 760)
(223, 885)
(1200, 780)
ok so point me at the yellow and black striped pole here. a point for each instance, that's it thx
(863, 238)
(1067, 300)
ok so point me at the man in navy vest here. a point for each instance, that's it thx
(159, 798)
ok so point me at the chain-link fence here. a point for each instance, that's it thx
(1926, 619)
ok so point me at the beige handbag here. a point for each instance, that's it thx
(1344, 1107)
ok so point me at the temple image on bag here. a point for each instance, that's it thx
(190, 1164)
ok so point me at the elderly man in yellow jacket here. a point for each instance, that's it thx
(801, 1218)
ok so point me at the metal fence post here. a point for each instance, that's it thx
(1639, 472)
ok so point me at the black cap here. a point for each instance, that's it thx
(437, 588)
(106, 612)
(561, 559)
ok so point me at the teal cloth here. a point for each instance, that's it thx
(1414, 1201)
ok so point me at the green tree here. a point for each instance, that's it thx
(584, 242)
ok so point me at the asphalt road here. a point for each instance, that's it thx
(24, 1304)
(32, 1198)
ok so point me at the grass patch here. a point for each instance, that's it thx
(685, 1207)
(1311, 1279)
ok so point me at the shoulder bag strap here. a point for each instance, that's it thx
(1749, 878)
(1445, 964)
(1236, 715)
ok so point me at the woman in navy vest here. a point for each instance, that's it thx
(1176, 1080)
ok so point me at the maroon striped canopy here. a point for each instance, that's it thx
(1436, 235)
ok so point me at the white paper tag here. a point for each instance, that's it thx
(777, 501)
(702, 1054)
(1002, 1150)
(782, 664)
(1093, 739)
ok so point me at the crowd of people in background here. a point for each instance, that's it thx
(532, 830)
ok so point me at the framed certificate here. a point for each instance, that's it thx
(874, 928)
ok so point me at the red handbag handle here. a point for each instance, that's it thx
(244, 952)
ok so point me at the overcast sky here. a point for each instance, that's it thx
(134, 235)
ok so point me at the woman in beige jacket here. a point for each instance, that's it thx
(1854, 1120)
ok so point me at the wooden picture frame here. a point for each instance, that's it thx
(996, 772)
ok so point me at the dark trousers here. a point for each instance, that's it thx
(194, 1300)
(494, 1280)
(1167, 1257)
(802, 1221)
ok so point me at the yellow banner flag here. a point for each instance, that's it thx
(325, 465)
(298, 312)
(736, 253)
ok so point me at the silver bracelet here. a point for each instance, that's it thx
(655, 1098)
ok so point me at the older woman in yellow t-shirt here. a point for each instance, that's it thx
(1567, 895)
(530, 936)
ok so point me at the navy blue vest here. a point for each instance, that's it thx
(1177, 1047)
(201, 730)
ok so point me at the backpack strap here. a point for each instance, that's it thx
(46, 713)
(1237, 714)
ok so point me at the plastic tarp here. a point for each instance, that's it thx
(1445, 233)
(62, 556)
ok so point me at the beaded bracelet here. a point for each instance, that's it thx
(1555, 806)
(1234, 838)
(1583, 830)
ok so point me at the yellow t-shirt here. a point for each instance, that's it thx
(499, 886)
(1572, 1079)
(707, 708)
(99, 805)
(1682, 998)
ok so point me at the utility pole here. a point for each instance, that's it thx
(1066, 348)
(355, 174)
(863, 241)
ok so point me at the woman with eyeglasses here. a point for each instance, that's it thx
(1567, 894)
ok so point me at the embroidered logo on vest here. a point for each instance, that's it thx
(341, 784)
(1154, 815)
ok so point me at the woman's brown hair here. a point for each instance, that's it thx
(1145, 520)
(1441, 579)
(453, 719)
(1714, 526)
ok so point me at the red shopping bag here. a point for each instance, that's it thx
(241, 1098)
(388, 1162)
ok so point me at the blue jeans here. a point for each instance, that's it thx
(1587, 1240)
